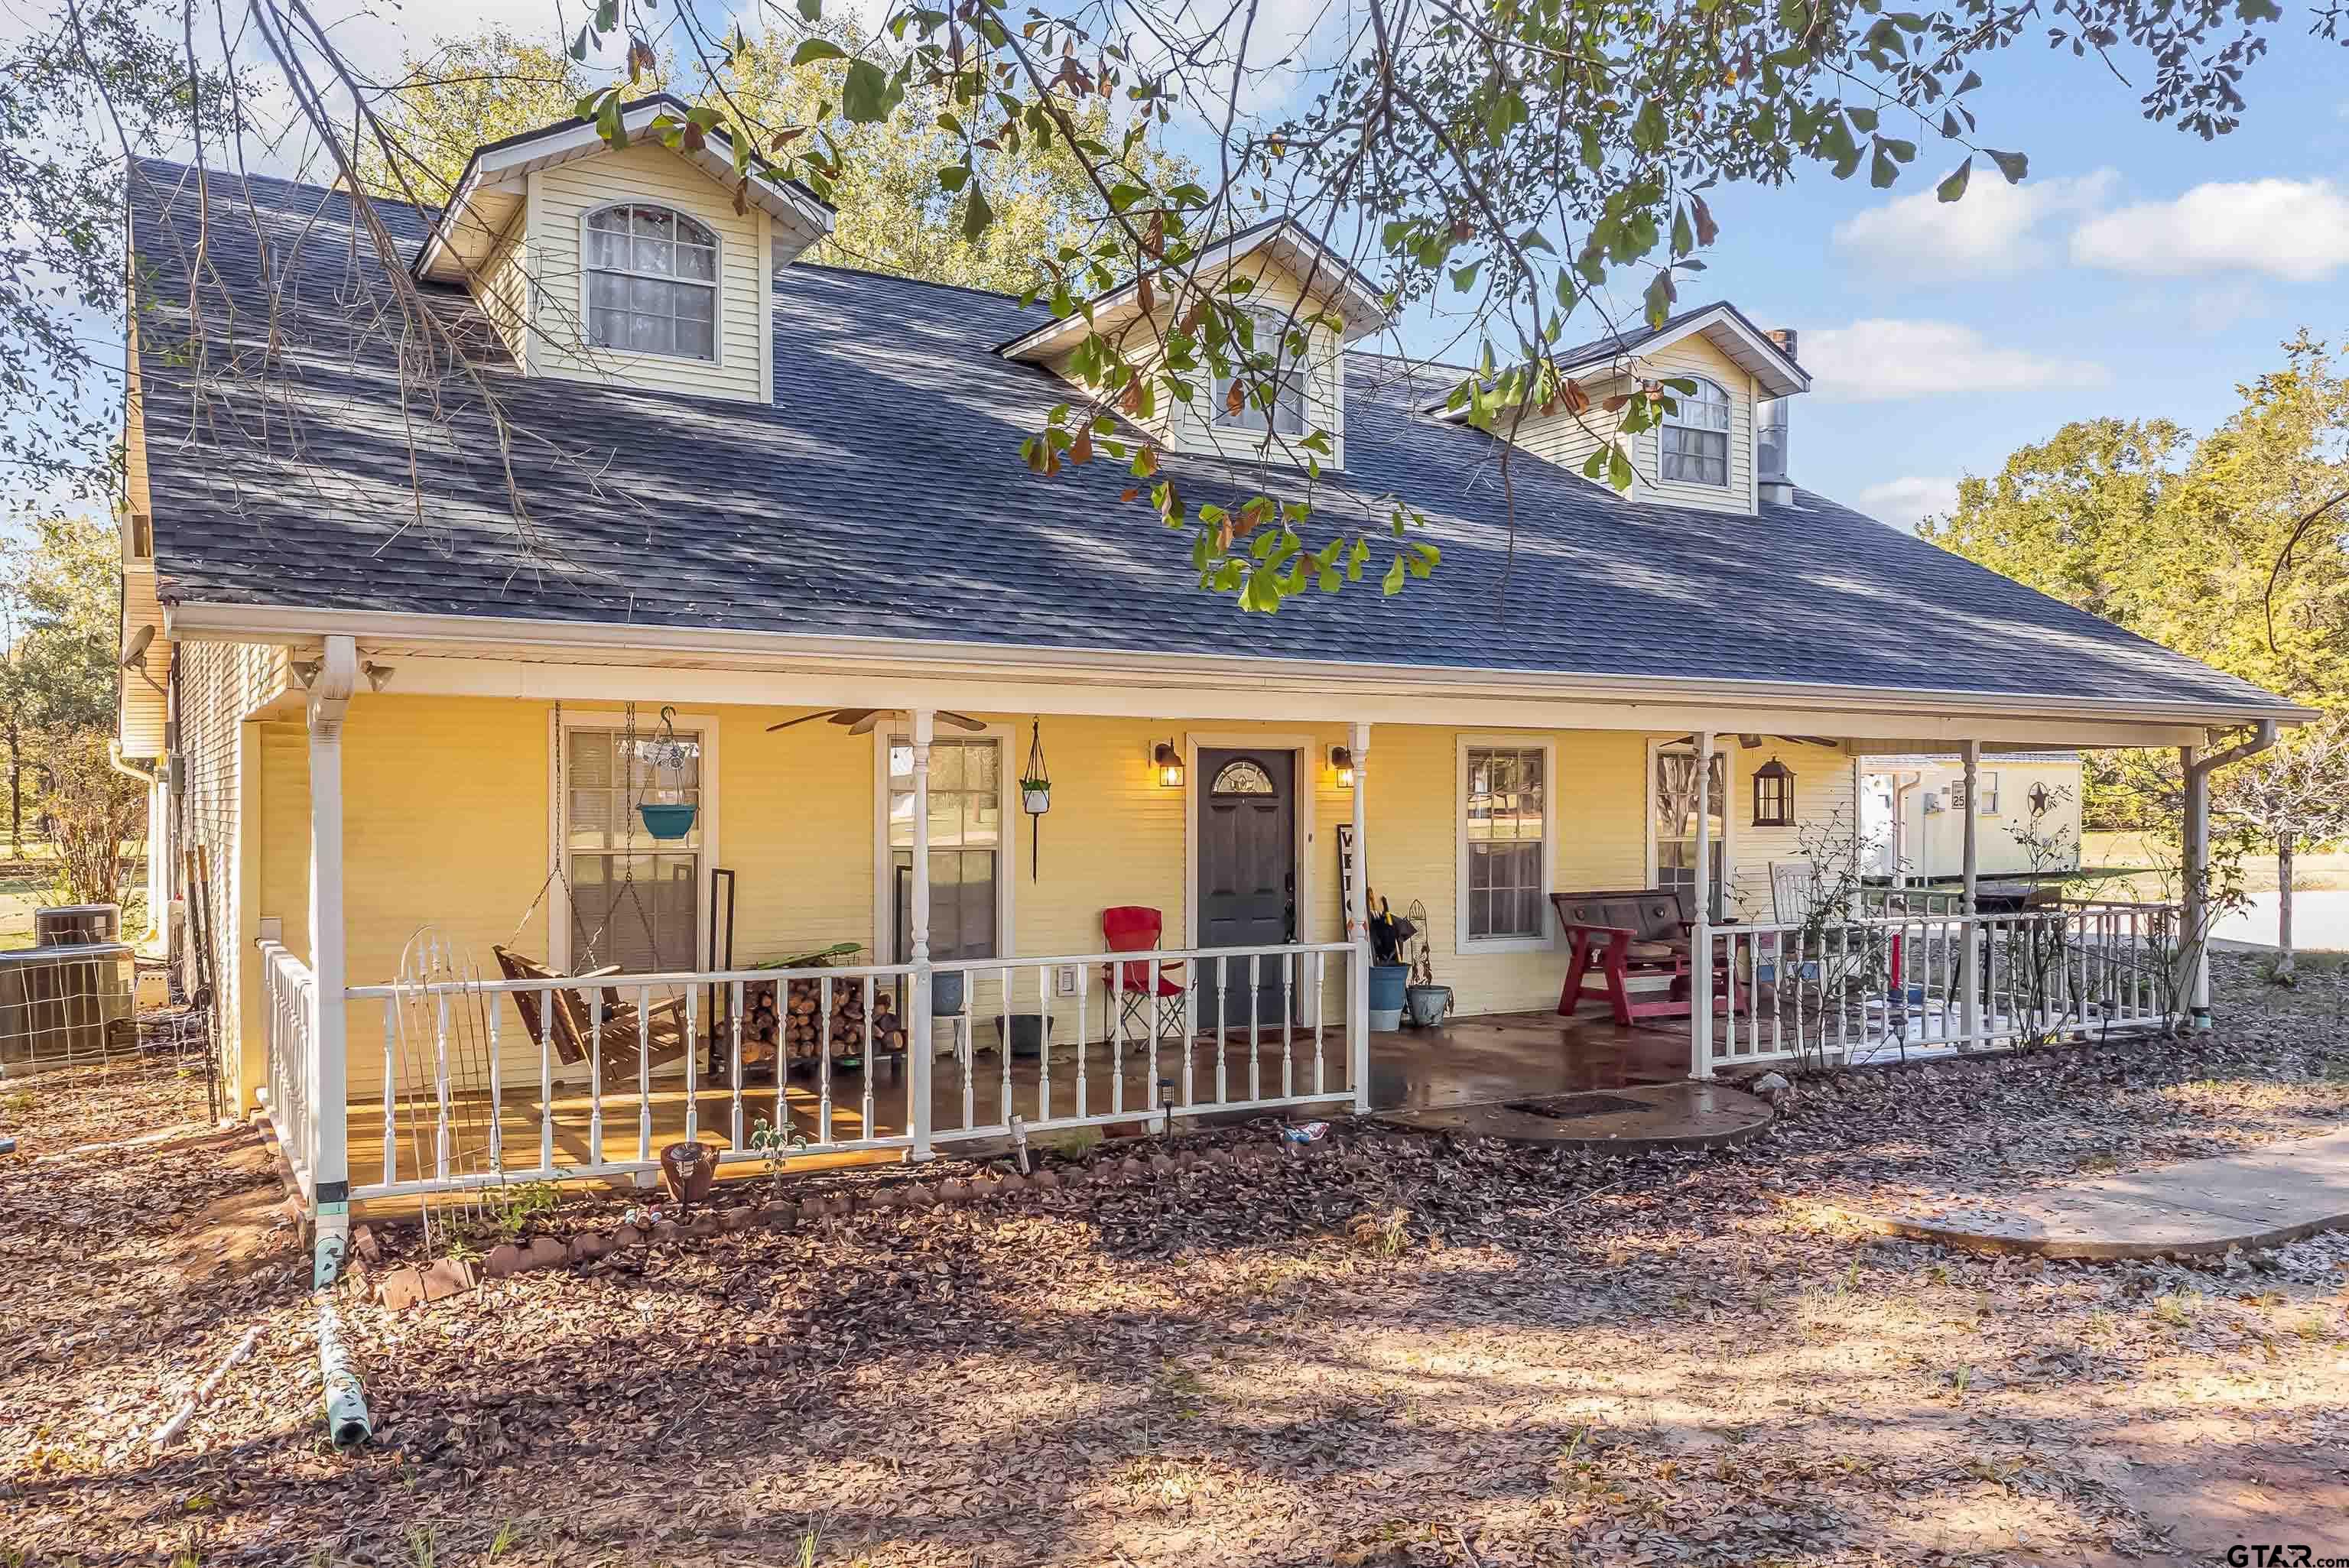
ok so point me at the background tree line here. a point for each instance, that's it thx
(2232, 547)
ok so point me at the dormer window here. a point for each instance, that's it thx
(1287, 411)
(1696, 437)
(652, 281)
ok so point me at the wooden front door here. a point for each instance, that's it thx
(1246, 878)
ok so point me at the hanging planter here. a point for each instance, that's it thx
(671, 818)
(1035, 794)
(667, 819)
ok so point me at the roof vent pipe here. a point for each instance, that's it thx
(1770, 436)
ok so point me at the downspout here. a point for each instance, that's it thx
(158, 889)
(2194, 946)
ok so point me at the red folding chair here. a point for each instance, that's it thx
(1137, 928)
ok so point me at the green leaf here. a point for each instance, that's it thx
(1881, 171)
(1683, 238)
(579, 44)
(975, 214)
(1954, 187)
(1863, 118)
(2013, 165)
(1618, 468)
(1392, 584)
(813, 49)
(869, 94)
(1648, 133)
(811, 10)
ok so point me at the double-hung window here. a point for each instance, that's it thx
(652, 281)
(1504, 832)
(1673, 822)
(966, 844)
(635, 899)
(1696, 437)
(1287, 414)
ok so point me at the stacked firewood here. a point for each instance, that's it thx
(800, 1028)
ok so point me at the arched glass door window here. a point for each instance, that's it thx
(1696, 437)
(652, 281)
(1241, 775)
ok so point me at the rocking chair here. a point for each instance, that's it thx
(652, 1036)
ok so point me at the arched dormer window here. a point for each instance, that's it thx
(652, 281)
(1696, 437)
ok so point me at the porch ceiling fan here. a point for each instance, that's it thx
(864, 720)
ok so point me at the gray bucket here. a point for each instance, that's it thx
(1428, 1005)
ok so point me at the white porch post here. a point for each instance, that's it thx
(920, 1065)
(1701, 939)
(1358, 928)
(2194, 959)
(1970, 948)
(329, 1110)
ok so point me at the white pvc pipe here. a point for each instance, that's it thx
(170, 1430)
(346, 1413)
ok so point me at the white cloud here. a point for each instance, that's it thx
(2297, 230)
(1994, 230)
(1905, 502)
(1881, 360)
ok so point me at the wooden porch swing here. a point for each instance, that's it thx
(631, 1040)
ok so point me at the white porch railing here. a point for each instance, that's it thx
(1164, 1039)
(289, 1008)
(1840, 992)
(523, 1115)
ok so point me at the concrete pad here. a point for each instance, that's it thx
(1657, 1116)
(2201, 1206)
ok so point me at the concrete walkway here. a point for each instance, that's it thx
(2203, 1206)
(2320, 922)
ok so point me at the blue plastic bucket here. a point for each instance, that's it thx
(1387, 981)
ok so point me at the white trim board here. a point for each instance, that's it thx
(1006, 849)
(1548, 937)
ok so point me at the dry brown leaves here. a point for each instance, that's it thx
(1397, 1351)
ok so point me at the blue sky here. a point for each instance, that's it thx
(2138, 271)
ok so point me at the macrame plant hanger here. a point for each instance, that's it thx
(1035, 796)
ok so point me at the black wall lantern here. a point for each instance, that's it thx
(1774, 795)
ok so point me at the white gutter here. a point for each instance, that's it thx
(484, 637)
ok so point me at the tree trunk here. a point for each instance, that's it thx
(2283, 968)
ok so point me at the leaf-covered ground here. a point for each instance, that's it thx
(1397, 1351)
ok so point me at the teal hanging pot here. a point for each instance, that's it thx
(667, 821)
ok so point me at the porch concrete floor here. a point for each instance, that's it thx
(1465, 1061)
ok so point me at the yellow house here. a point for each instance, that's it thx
(594, 581)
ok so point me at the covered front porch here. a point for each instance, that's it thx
(570, 924)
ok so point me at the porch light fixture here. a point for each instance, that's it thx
(1169, 765)
(1341, 763)
(1774, 795)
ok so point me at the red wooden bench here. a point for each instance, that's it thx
(1613, 936)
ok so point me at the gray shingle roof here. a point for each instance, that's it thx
(881, 496)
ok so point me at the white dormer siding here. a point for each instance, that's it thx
(1292, 275)
(559, 201)
(515, 234)
(1563, 439)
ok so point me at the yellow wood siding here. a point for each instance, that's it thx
(503, 290)
(1823, 818)
(1696, 356)
(1190, 426)
(1568, 442)
(284, 820)
(447, 818)
(559, 201)
(218, 685)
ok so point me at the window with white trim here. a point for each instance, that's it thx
(652, 281)
(1986, 791)
(1287, 414)
(1504, 844)
(965, 843)
(635, 899)
(1696, 437)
